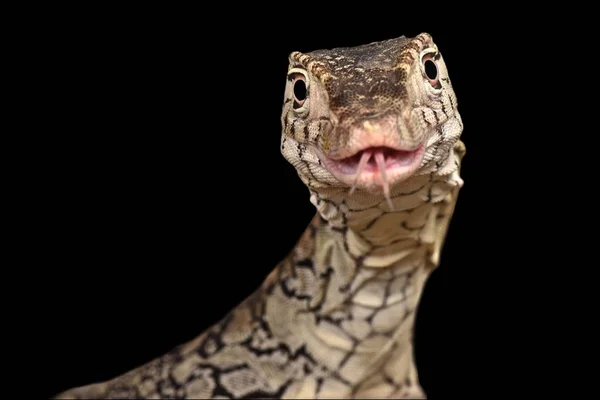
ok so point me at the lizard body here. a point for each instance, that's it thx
(374, 134)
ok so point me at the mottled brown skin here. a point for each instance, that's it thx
(335, 317)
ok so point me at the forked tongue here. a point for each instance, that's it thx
(362, 163)
(380, 160)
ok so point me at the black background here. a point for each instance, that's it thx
(159, 199)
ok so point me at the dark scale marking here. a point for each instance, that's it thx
(216, 372)
(345, 238)
(270, 287)
(410, 228)
(215, 334)
(326, 277)
(368, 241)
(319, 130)
(258, 352)
(371, 223)
(262, 326)
(305, 131)
(442, 160)
(257, 305)
(319, 385)
(425, 118)
(444, 110)
(300, 149)
(386, 294)
(259, 394)
(451, 102)
(415, 191)
(306, 263)
(308, 168)
(168, 385)
(292, 292)
(327, 273)
(213, 339)
(294, 128)
(326, 201)
(435, 148)
(300, 352)
(344, 216)
(353, 210)
(441, 216)
(286, 125)
(328, 256)
(392, 331)
(334, 321)
(313, 231)
(335, 375)
(346, 246)
(407, 58)
(309, 180)
(387, 379)
(359, 264)
(288, 269)
(435, 116)
(348, 355)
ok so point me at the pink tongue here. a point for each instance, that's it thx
(380, 160)
(364, 159)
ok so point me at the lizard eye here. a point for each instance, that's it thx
(300, 92)
(431, 70)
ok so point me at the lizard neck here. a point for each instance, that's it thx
(349, 290)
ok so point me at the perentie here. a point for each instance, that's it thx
(374, 134)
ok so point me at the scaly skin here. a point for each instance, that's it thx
(335, 317)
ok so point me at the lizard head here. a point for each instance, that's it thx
(369, 117)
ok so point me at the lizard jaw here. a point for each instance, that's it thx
(375, 169)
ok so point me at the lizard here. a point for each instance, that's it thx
(374, 133)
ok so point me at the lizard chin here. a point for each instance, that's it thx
(376, 169)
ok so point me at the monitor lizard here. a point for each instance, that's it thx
(374, 133)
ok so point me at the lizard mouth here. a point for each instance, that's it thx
(376, 168)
